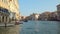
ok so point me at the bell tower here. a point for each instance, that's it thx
(58, 7)
(58, 11)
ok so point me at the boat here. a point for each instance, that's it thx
(18, 22)
(25, 20)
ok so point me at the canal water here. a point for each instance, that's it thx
(33, 27)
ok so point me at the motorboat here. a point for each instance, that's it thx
(18, 22)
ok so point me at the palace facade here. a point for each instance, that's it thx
(9, 9)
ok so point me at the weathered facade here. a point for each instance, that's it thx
(34, 16)
(58, 11)
(4, 13)
(9, 9)
(14, 7)
(53, 16)
(11, 5)
(44, 16)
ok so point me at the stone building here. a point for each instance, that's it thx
(14, 7)
(9, 9)
(58, 7)
(58, 11)
(23, 18)
(53, 16)
(44, 16)
(4, 12)
(33, 16)
(4, 15)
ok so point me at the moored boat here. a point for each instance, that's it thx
(25, 20)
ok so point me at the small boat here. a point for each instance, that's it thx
(18, 22)
(25, 20)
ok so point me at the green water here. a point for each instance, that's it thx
(9, 30)
(33, 27)
(40, 27)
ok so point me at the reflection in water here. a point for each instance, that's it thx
(9, 30)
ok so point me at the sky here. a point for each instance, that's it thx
(28, 7)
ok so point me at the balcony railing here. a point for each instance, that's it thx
(4, 10)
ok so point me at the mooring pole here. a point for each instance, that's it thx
(5, 25)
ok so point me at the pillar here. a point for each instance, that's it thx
(1, 19)
(4, 19)
(7, 19)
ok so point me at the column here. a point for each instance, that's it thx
(7, 19)
(4, 19)
(1, 19)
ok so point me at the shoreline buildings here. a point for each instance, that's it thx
(58, 11)
(46, 16)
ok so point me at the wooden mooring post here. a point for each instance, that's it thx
(5, 25)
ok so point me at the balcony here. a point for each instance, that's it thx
(4, 10)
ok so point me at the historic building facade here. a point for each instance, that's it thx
(58, 11)
(4, 16)
(9, 9)
(34, 16)
(14, 7)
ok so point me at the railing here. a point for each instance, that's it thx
(4, 10)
